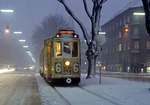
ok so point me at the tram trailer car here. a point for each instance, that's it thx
(60, 58)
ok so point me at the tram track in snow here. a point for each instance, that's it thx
(102, 96)
(67, 101)
(77, 96)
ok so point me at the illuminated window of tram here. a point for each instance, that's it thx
(58, 49)
(74, 49)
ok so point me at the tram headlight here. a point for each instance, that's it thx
(58, 67)
(75, 67)
(67, 63)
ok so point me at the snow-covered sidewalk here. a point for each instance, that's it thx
(112, 91)
(118, 90)
(125, 73)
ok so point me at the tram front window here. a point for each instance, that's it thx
(58, 49)
(67, 48)
(74, 49)
(70, 49)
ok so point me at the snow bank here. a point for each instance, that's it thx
(48, 95)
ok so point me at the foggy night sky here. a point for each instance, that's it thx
(29, 13)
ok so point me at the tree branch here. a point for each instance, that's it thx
(85, 34)
(146, 4)
(86, 9)
(93, 19)
(97, 14)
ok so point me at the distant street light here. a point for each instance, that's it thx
(22, 40)
(6, 10)
(139, 13)
(18, 32)
(101, 33)
(25, 46)
(28, 52)
(7, 30)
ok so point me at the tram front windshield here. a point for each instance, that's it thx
(70, 49)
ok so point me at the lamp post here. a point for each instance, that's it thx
(100, 73)
(100, 40)
(7, 30)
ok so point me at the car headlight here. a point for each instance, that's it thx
(58, 67)
(76, 67)
(67, 63)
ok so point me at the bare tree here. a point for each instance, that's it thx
(94, 17)
(146, 4)
(48, 28)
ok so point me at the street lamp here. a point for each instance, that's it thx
(18, 32)
(22, 40)
(7, 30)
(6, 10)
(101, 33)
(139, 13)
(25, 46)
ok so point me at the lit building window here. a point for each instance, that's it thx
(136, 44)
(120, 47)
(148, 44)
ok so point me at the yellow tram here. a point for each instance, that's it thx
(60, 58)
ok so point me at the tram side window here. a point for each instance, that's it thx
(74, 49)
(67, 47)
(58, 49)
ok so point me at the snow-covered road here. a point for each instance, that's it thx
(18, 88)
(29, 88)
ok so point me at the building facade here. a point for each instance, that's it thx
(127, 48)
